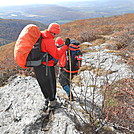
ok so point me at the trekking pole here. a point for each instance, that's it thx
(70, 65)
(47, 64)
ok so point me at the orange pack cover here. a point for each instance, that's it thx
(25, 42)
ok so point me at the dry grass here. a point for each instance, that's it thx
(58, 85)
(113, 51)
(6, 50)
(84, 47)
(89, 50)
(102, 72)
(96, 71)
(98, 41)
(77, 80)
(63, 96)
(119, 102)
(85, 67)
(113, 45)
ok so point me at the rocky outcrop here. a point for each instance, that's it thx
(21, 104)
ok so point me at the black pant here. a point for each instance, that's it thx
(47, 83)
(64, 78)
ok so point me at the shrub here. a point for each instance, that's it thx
(119, 101)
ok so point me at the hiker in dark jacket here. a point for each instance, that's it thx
(63, 63)
(45, 73)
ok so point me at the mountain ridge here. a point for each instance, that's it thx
(11, 28)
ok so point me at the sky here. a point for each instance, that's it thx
(25, 2)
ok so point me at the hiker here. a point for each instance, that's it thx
(45, 73)
(59, 42)
(63, 63)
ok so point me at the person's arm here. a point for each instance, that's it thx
(54, 51)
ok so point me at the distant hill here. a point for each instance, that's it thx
(43, 13)
(10, 29)
(64, 12)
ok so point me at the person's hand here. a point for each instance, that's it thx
(67, 41)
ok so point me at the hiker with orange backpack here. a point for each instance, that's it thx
(64, 64)
(35, 48)
(45, 73)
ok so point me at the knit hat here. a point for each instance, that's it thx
(54, 28)
(59, 41)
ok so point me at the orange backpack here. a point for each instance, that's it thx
(24, 44)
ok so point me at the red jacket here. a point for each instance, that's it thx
(48, 45)
(62, 60)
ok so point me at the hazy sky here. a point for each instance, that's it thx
(24, 2)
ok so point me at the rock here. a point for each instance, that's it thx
(87, 43)
(21, 104)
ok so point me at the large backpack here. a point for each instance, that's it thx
(27, 51)
(75, 56)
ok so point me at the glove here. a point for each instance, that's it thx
(67, 41)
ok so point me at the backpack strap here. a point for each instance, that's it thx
(73, 72)
(74, 47)
(44, 56)
(37, 62)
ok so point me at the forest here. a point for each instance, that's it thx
(10, 29)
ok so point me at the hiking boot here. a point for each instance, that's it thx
(46, 105)
(54, 104)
